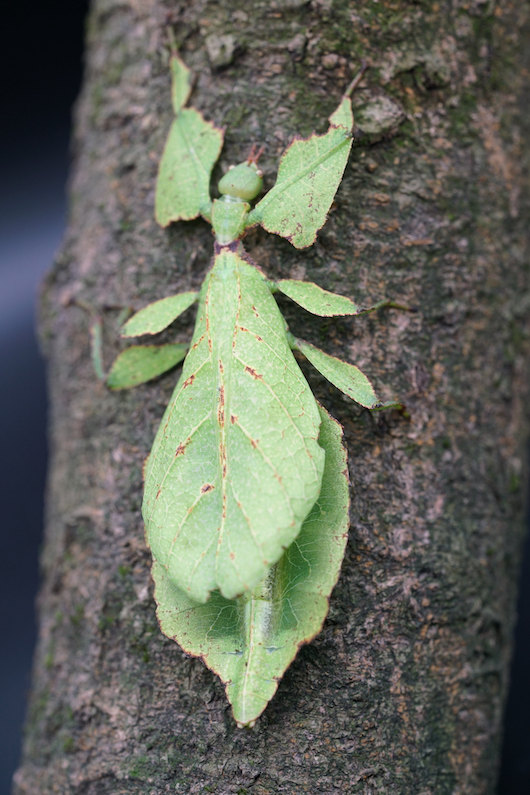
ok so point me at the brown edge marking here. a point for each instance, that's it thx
(144, 467)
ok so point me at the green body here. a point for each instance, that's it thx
(250, 641)
(222, 484)
(246, 488)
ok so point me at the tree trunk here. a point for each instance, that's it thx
(403, 691)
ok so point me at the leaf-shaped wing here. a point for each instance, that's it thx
(343, 115)
(183, 184)
(316, 300)
(180, 83)
(346, 377)
(236, 466)
(155, 317)
(192, 148)
(141, 363)
(249, 642)
(309, 174)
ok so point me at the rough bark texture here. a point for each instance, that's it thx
(403, 691)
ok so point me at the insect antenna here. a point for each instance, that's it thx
(255, 154)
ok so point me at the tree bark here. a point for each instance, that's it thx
(403, 691)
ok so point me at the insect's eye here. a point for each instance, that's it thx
(243, 181)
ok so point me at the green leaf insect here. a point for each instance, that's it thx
(246, 488)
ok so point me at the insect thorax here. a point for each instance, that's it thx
(240, 185)
(228, 218)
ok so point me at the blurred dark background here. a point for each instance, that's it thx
(41, 57)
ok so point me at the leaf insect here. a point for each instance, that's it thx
(246, 488)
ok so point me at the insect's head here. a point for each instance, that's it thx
(243, 181)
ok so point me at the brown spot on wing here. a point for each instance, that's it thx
(196, 344)
(253, 373)
(257, 336)
(207, 487)
(189, 381)
(221, 408)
